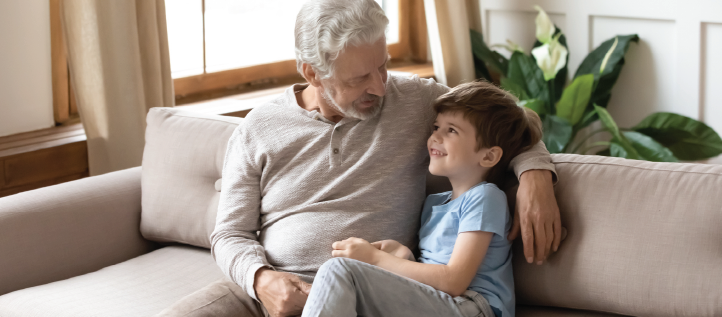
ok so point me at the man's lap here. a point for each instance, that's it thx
(220, 298)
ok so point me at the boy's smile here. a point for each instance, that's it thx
(452, 146)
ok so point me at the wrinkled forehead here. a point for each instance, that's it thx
(360, 60)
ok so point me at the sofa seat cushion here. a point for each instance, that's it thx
(539, 311)
(142, 286)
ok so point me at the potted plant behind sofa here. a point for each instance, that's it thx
(538, 81)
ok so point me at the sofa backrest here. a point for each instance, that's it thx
(644, 239)
(182, 162)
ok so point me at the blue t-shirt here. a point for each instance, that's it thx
(481, 208)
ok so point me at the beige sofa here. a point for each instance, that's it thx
(643, 238)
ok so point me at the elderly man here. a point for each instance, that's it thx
(344, 155)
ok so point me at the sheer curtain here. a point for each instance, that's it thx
(120, 67)
(448, 26)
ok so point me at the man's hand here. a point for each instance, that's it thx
(357, 249)
(283, 294)
(537, 215)
(394, 248)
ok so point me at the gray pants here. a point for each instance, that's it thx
(346, 287)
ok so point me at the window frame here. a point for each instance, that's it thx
(411, 48)
(65, 108)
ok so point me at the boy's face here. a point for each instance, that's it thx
(452, 147)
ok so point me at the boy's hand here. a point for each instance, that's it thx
(394, 248)
(357, 249)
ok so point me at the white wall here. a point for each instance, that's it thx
(26, 97)
(676, 67)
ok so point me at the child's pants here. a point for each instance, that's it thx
(346, 287)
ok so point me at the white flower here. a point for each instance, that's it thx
(551, 57)
(510, 46)
(544, 26)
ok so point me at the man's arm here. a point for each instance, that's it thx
(536, 212)
(234, 244)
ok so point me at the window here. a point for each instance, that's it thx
(219, 46)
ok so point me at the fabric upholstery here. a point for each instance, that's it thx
(61, 231)
(182, 162)
(643, 239)
(537, 311)
(139, 287)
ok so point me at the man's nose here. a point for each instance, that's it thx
(378, 87)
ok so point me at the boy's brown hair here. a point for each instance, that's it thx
(497, 119)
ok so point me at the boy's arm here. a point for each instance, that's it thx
(453, 278)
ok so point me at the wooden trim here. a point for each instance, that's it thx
(229, 79)
(59, 65)
(418, 38)
(411, 46)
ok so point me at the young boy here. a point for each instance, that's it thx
(465, 264)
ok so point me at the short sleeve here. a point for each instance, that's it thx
(484, 209)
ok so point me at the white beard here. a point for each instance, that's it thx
(352, 111)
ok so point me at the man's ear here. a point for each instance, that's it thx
(491, 156)
(310, 75)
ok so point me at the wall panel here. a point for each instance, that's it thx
(711, 68)
(648, 80)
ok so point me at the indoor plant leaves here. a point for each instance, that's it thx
(687, 138)
(648, 148)
(481, 51)
(534, 104)
(575, 98)
(593, 62)
(557, 133)
(617, 137)
(524, 72)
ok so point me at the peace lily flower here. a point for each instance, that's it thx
(509, 46)
(551, 57)
(544, 26)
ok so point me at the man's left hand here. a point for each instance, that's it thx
(537, 216)
(357, 249)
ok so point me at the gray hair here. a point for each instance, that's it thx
(325, 27)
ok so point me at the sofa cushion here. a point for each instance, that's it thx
(643, 239)
(182, 162)
(536, 311)
(142, 286)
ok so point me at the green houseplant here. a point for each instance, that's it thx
(538, 81)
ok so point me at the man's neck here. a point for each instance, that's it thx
(311, 99)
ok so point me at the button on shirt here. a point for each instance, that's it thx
(481, 208)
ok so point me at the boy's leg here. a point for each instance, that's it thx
(346, 287)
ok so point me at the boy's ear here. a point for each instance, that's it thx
(491, 156)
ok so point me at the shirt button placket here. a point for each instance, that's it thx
(335, 148)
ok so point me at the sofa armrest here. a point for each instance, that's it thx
(61, 231)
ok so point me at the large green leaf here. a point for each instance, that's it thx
(534, 104)
(593, 62)
(648, 148)
(687, 138)
(575, 99)
(515, 89)
(557, 133)
(561, 78)
(481, 51)
(524, 72)
(481, 71)
(617, 136)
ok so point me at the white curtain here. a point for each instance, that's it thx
(120, 68)
(448, 26)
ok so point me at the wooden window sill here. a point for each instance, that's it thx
(42, 158)
(239, 105)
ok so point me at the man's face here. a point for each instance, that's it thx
(359, 83)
